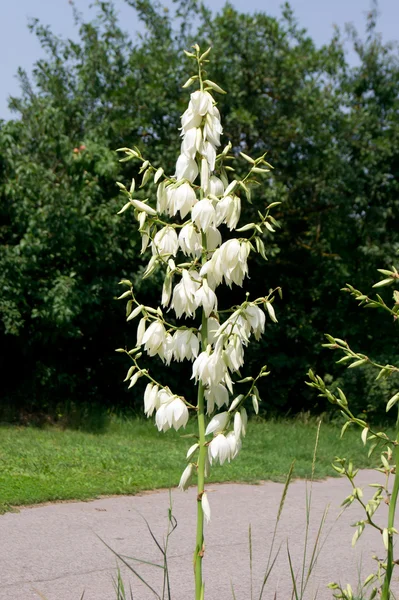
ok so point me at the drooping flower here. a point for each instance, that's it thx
(201, 102)
(190, 240)
(186, 477)
(167, 350)
(228, 262)
(210, 368)
(235, 325)
(219, 449)
(182, 199)
(151, 401)
(206, 298)
(209, 152)
(184, 299)
(213, 327)
(189, 143)
(186, 168)
(228, 211)
(216, 187)
(237, 425)
(213, 128)
(203, 214)
(218, 423)
(190, 119)
(186, 344)
(163, 198)
(234, 443)
(216, 395)
(256, 318)
(234, 353)
(192, 450)
(244, 421)
(172, 412)
(165, 242)
(141, 331)
(154, 338)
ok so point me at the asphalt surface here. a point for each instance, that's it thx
(53, 552)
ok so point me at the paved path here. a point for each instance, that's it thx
(53, 549)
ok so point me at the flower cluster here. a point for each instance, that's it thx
(183, 344)
(184, 234)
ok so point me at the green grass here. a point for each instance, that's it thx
(38, 465)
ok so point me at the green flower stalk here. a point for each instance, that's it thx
(183, 231)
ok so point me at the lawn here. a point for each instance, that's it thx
(38, 465)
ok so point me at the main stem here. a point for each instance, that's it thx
(199, 545)
(386, 594)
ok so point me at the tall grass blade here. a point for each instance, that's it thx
(130, 568)
(144, 562)
(270, 561)
(232, 590)
(309, 506)
(293, 577)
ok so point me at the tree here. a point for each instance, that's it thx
(332, 136)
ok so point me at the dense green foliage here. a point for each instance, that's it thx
(332, 133)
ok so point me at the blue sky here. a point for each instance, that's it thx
(19, 48)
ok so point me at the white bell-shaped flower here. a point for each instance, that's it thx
(182, 199)
(213, 327)
(203, 214)
(210, 369)
(208, 150)
(189, 143)
(244, 421)
(216, 395)
(228, 210)
(234, 353)
(162, 198)
(186, 168)
(218, 423)
(186, 344)
(141, 331)
(219, 449)
(190, 240)
(167, 350)
(154, 338)
(165, 242)
(233, 256)
(234, 443)
(185, 479)
(213, 238)
(190, 119)
(256, 318)
(201, 102)
(184, 299)
(206, 298)
(212, 129)
(216, 187)
(151, 401)
(233, 213)
(213, 270)
(237, 425)
(172, 412)
(235, 325)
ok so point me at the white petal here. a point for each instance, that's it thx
(237, 425)
(206, 509)
(186, 477)
(218, 423)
